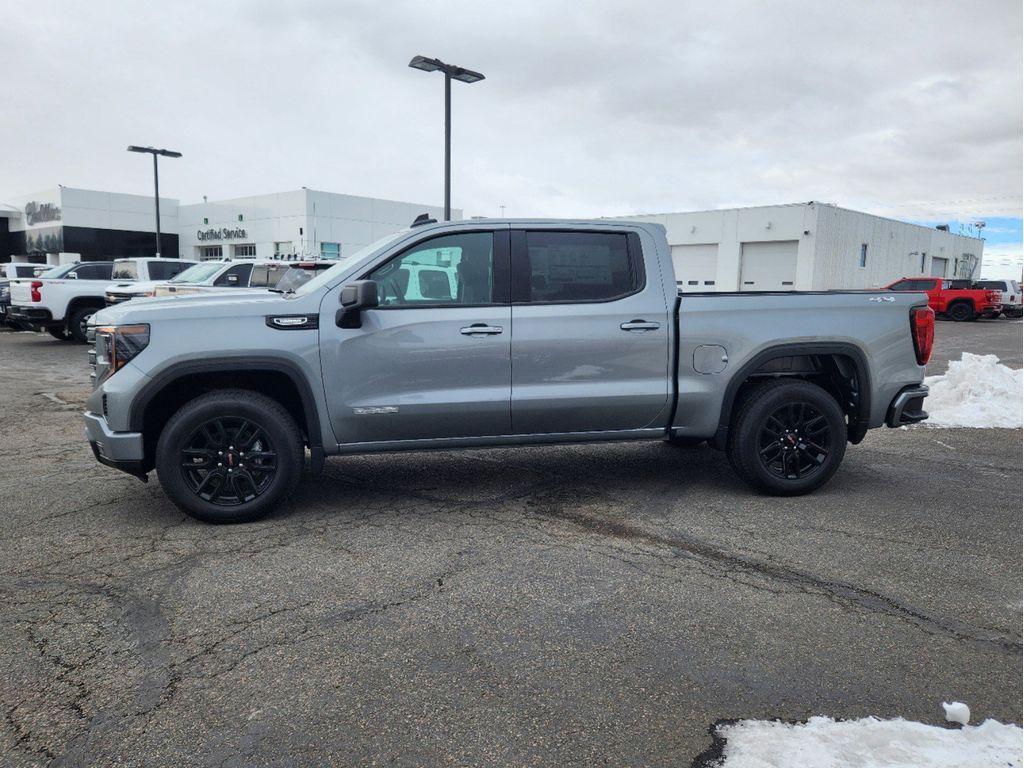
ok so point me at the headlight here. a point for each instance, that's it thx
(118, 344)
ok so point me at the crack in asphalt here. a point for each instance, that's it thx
(555, 508)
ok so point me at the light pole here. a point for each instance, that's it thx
(156, 182)
(451, 72)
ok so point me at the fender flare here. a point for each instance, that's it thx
(846, 349)
(186, 368)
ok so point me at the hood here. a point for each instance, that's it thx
(234, 303)
(134, 286)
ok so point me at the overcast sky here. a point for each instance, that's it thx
(910, 109)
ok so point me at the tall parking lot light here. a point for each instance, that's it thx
(451, 72)
(156, 181)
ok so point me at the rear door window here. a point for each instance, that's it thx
(236, 277)
(564, 267)
(98, 271)
(165, 270)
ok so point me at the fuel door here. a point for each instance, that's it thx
(710, 358)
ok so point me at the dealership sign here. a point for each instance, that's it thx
(40, 213)
(223, 233)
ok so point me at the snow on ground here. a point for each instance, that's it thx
(822, 742)
(975, 391)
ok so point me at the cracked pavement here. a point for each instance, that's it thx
(582, 605)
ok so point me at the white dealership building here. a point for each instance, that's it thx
(303, 223)
(803, 246)
(808, 247)
(63, 223)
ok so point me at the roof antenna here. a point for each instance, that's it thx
(423, 218)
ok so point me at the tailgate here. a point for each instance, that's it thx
(21, 291)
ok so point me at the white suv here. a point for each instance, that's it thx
(1012, 301)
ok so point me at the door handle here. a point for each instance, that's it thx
(481, 329)
(640, 325)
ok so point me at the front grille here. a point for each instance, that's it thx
(97, 355)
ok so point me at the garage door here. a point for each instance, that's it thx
(768, 266)
(938, 267)
(695, 266)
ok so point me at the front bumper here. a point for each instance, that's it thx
(908, 406)
(120, 450)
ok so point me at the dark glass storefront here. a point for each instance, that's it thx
(91, 243)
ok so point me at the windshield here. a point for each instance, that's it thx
(198, 272)
(56, 272)
(296, 276)
(325, 277)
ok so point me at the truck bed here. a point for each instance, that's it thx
(870, 326)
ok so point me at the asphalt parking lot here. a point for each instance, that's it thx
(594, 605)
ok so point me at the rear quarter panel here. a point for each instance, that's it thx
(748, 324)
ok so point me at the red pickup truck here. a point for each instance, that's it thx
(953, 298)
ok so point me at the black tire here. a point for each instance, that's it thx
(960, 312)
(77, 322)
(58, 332)
(273, 465)
(779, 410)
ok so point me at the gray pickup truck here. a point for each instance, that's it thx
(495, 333)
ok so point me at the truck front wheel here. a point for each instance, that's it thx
(78, 322)
(229, 456)
(788, 437)
(59, 332)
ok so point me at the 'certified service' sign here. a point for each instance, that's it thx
(223, 233)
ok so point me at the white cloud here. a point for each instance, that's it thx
(598, 109)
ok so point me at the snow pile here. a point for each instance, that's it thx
(869, 743)
(975, 391)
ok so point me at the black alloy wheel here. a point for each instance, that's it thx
(787, 437)
(794, 441)
(228, 461)
(961, 312)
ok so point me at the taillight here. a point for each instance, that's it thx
(36, 285)
(922, 330)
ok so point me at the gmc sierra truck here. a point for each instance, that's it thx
(495, 333)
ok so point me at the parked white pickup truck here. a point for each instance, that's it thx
(14, 271)
(62, 300)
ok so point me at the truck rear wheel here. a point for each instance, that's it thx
(961, 311)
(229, 456)
(788, 438)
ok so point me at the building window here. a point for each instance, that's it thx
(206, 220)
(244, 251)
(863, 254)
(283, 249)
(330, 250)
(207, 252)
(923, 257)
(240, 217)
